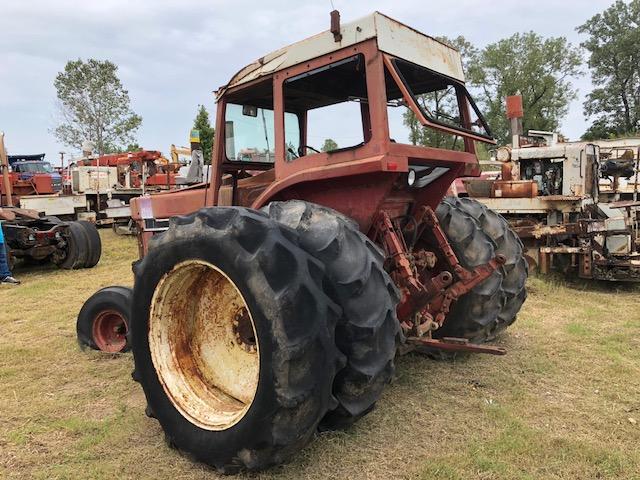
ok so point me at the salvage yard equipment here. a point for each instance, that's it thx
(569, 203)
(38, 240)
(273, 300)
(34, 238)
(32, 175)
(103, 320)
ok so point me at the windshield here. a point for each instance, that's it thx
(34, 167)
(443, 103)
(249, 133)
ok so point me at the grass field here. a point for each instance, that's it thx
(564, 403)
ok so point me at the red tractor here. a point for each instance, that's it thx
(272, 301)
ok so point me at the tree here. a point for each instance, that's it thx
(131, 147)
(207, 132)
(540, 69)
(94, 106)
(329, 144)
(614, 46)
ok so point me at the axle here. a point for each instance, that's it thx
(427, 295)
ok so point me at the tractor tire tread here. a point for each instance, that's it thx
(283, 286)
(114, 297)
(477, 234)
(368, 332)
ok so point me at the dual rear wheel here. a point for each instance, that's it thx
(83, 246)
(250, 329)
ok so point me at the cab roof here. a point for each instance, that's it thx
(392, 37)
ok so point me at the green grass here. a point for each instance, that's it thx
(557, 406)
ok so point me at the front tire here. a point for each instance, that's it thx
(230, 283)
(103, 321)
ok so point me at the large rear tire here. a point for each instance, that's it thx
(233, 338)
(477, 234)
(368, 332)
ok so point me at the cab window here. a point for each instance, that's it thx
(333, 100)
(249, 125)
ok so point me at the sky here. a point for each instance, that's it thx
(173, 54)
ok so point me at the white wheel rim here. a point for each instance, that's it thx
(204, 345)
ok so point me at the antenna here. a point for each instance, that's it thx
(332, 7)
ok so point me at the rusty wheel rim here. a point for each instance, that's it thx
(109, 331)
(203, 345)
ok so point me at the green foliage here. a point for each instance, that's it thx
(538, 68)
(131, 147)
(94, 106)
(614, 46)
(329, 144)
(207, 132)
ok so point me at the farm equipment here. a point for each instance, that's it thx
(273, 300)
(109, 182)
(566, 203)
(39, 240)
(35, 239)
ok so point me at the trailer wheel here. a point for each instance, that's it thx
(368, 332)
(104, 319)
(77, 250)
(95, 244)
(478, 234)
(233, 338)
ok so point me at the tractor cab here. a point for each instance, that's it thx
(338, 119)
(345, 107)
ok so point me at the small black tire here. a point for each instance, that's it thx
(477, 234)
(293, 322)
(368, 332)
(77, 247)
(114, 299)
(95, 244)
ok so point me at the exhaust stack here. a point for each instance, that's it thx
(515, 112)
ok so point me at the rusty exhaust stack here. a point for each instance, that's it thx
(515, 112)
(335, 26)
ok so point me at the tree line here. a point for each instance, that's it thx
(94, 105)
(541, 70)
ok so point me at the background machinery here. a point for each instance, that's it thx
(34, 238)
(574, 205)
(272, 300)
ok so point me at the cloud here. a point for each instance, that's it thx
(173, 54)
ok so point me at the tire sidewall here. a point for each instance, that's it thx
(200, 442)
(108, 298)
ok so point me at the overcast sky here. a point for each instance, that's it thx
(172, 54)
